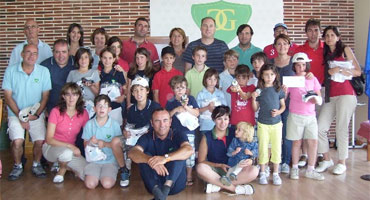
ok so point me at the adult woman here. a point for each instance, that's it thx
(64, 123)
(98, 38)
(212, 157)
(75, 38)
(340, 100)
(178, 41)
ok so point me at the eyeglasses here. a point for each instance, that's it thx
(71, 94)
(29, 53)
(102, 105)
(30, 27)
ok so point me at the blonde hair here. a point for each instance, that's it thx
(248, 131)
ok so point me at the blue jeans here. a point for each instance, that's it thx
(286, 148)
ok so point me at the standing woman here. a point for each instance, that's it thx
(340, 100)
(64, 123)
(75, 38)
(98, 38)
(178, 41)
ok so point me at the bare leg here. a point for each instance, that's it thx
(206, 173)
(37, 150)
(312, 150)
(91, 182)
(107, 182)
(117, 151)
(62, 168)
(17, 149)
(247, 175)
(295, 151)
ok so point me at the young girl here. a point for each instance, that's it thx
(258, 60)
(240, 149)
(143, 67)
(208, 98)
(269, 98)
(112, 80)
(302, 123)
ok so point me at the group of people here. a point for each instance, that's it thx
(118, 102)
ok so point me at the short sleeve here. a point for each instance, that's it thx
(7, 85)
(85, 117)
(47, 80)
(156, 82)
(193, 102)
(317, 85)
(281, 94)
(96, 77)
(187, 55)
(54, 115)
(69, 77)
(180, 137)
(87, 131)
(143, 140)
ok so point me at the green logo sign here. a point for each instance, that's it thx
(36, 80)
(228, 16)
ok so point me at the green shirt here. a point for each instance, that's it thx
(195, 80)
(245, 56)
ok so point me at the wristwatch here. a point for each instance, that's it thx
(167, 157)
(340, 70)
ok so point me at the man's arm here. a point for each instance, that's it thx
(183, 153)
(44, 100)
(10, 102)
(137, 155)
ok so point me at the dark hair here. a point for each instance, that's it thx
(266, 67)
(242, 27)
(176, 80)
(102, 97)
(134, 86)
(199, 48)
(110, 50)
(148, 71)
(209, 73)
(79, 53)
(312, 22)
(160, 109)
(70, 29)
(60, 41)
(339, 46)
(182, 33)
(75, 89)
(242, 70)
(114, 39)
(259, 56)
(214, 21)
(282, 36)
(220, 111)
(141, 19)
(308, 67)
(99, 31)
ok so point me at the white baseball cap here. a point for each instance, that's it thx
(300, 57)
(140, 81)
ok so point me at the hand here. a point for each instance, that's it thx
(93, 140)
(25, 125)
(234, 88)
(156, 160)
(347, 72)
(76, 151)
(254, 95)
(224, 167)
(126, 134)
(118, 68)
(248, 152)
(211, 106)
(180, 109)
(129, 105)
(32, 117)
(237, 150)
(185, 102)
(101, 144)
(274, 112)
(309, 75)
(87, 83)
(246, 163)
(285, 88)
(161, 170)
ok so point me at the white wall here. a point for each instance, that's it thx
(362, 17)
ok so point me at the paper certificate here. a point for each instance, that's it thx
(294, 81)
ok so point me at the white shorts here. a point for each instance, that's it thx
(301, 127)
(37, 128)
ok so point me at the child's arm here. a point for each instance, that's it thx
(156, 95)
(232, 150)
(178, 109)
(244, 95)
(253, 150)
(255, 104)
(128, 93)
(276, 112)
(191, 109)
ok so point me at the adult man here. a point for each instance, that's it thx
(215, 48)
(26, 84)
(270, 50)
(59, 65)
(31, 30)
(161, 155)
(245, 48)
(139, 40)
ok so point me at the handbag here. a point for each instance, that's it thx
(358, 84)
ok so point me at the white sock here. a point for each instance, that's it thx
(19, 165)
(34, 164)
(310, 168)
(275, 174)
(305, 155)
(295, 166)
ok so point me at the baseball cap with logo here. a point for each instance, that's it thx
(300, 57)
(280, 25)
(140, 81)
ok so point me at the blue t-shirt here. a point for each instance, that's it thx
(113, 76)
(106, 133)
(235, 143)
(141, 118)
(176, 124)
(217, 149)
(269, 99)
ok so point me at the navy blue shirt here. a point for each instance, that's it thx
(113, 76)
(176, 124)
(58, 77)
(141, 118)
(154, 146)
(217, 150)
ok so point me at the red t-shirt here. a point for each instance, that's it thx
(129, 47)
(161, 82)
(271, 52)
(339, 89)
(241, 110)
(316, 55)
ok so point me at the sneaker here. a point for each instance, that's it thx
(339, 169)
(38, 171)
(263, 179)
(324, 165)
(55, 167)
(244, 189)
(314, 175)
(233, 177)
(285, 168)
(319, 159)
(225, 180)
(302, 161)
(15, 173)
(210, 188)
(294, 174)
(276, 180)
(125, 177)
(58, 179)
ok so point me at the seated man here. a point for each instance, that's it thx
(161, 155)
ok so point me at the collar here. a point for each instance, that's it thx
(321, 44)
(204, 69)
(148, 103)
(107, 124)
(132, 40)
(40, 43)
(20, 69)
(70, 61)
(214, 133)
(169, 135)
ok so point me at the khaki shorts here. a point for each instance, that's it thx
(102, 170)
(37, 129)
(301, 127)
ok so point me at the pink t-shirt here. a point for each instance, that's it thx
(297, 105)
(67, 128)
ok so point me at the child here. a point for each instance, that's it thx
(100, 131)
(241, 148)
(143, 67)
(231, 59)
(195, 75)
(241, 105)
(208, 99)
(302, 123)
(181, 103)
(258, 60)
(138, 117)
(112, 82)
(269, 98)
(162, 91)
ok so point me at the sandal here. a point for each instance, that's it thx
(189, 182)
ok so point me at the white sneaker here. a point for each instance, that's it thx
(314, 175)
(58, 179)
(285, 168)
(339, 169)
(210, 188)
(294, 174)
(244, 189)
(324, 165)
(276, 180)
(302, 161)
(263, 179)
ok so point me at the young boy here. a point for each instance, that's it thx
(195, 75)
(138, 118)
(231, 59)
(257, 60)
(241, 102)
(162, 91)
(100, 131)
(178, 104)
